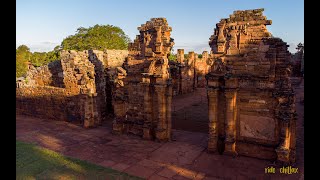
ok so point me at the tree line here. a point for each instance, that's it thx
(98, 37)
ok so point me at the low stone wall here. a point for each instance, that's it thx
(50, 103)
(66, 89)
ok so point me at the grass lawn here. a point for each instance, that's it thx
(33, 162)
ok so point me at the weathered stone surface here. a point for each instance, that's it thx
(251, 101)
(142, 102)
(257, 127)
(71, 89)
(251, 104)
(189, 74)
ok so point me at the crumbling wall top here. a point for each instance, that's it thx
(154, 39)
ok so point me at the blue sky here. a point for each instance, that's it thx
(43, 24)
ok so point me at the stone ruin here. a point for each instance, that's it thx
(75, 88)
(189, 73)
(250, 98)
(251, 101)
(142, 101)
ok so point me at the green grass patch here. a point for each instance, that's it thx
(34, 162)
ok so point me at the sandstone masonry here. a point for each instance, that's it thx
(250, 98)
(251, 102)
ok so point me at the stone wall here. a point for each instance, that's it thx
(201, 69)
(115, 58)
(250, 98)
(188, 73)
(251, 102)
(50, 103)
(71, 89)
(142, 92)
(47, 75)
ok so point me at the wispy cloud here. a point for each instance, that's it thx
(197, 47)
(45, 46)
(292, 47)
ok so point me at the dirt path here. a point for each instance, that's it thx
(190, 111)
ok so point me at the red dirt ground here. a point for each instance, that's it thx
(184, 158)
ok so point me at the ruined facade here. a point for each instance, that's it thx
(142, 97)
(74, 88)
(251, 102)
(250, 99)
(188, 73)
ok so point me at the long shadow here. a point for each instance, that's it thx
(52, 106)
(35, 162)
(100, 82)
(56, 70)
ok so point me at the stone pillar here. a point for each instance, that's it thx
(283, 151)
(213, 119)
(161, 130)
(292, 141)
(96, 110)
(158, 42)
(180, 56)
(194, 84)
(88, 112)
(191, 59)
(147, 134)
(233, 42)
(221, 40)
(205, 55)
(230, 122)
(169, 109)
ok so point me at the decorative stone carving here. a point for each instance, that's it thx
(147, 85)
(249, 67)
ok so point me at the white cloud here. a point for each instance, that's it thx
(197, 47)
(40, 46)
(292, 47)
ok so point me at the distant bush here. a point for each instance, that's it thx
(172, 57)
(24, 57)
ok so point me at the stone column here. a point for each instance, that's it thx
(96, 110)
(161, 130)
(283, 150)
(230, 122)
(191, 59)
(180, 56)
(205, 55)
(292, 146)
(169, 108)
(88, 111)
(213, 119)
(147, 111)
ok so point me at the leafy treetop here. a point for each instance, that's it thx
(99, 37)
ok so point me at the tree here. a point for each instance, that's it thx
(300, 51)
(23, 49)
(42, 58)
(300, 47)
(23, 55)
(99, 37)
(172, 56)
